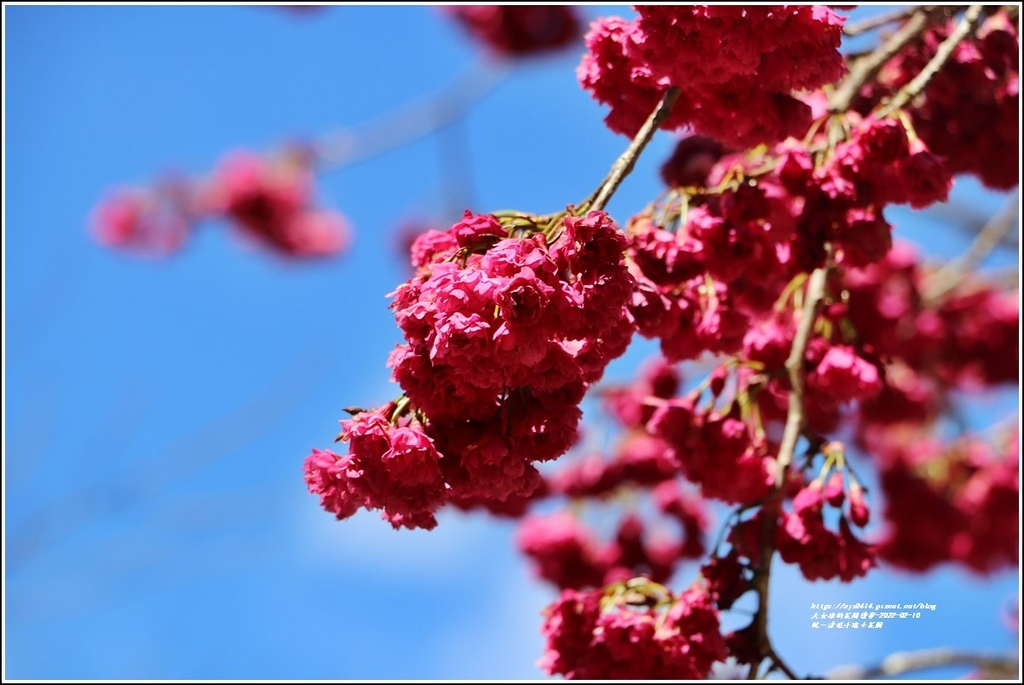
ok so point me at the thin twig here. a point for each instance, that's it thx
(795, 419)
(797, 415)
(857, 28)
(627, 160)
(942, 54)
(865, 69)
(946, 279)
(414, 121)
(999, 666)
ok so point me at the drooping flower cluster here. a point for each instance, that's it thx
(268, 202)
(635, 630)
(736, 66)
(717, 450)
(568, 553)
(804, 539)
(394, 468)
(519, 30)
(503, 336)
(970, 111)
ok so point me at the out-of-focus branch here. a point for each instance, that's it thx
(1006, 279)
(859, 27)
(414, 121)
(942, 54)
(142, 482)
(864, 70)
(964, 217)
(992, 665)
(946, 279)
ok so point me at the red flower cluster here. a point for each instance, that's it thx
(951, 503)
(271, 201)
(390, 467)
(504, 334)
(566, 553)
(691, 162)
(769, 214)
(970, 338)
(970, 111)
(632, 631)
(716, 450)
(519, 30)
(155, 222)
(267, 201)
(820, 553)
(736, 66)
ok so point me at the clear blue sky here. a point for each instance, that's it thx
(157, 412)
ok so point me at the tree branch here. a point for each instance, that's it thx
(865, 69)
(627, 160)
(857, 28)
(795, 367)
(946, 279)
(781, 665)
(795, 420)
(994, 666)
(414, 121)
(945, 50)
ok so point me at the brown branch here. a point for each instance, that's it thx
(994, 666)
(942, 54)
(1005, 279)
(795, 420)
(857, 28)
(781, 665)
(865, 69)
(946, 279)
(627, 160)
(414, 121)
(797, 414)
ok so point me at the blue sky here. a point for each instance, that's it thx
(157, 412)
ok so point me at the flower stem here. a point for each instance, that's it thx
(627, 160)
